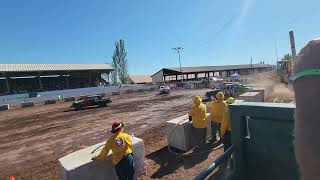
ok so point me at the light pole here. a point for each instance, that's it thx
(178, 49)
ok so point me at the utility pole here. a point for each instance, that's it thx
(293, 46)
(276, 49)
(293, 53)
(178, 49)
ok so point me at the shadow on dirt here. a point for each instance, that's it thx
(86, 108)
(170, 162)
(219, 174)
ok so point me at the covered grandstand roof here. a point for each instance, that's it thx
(199, 69)
(53, 67)
(141, 79)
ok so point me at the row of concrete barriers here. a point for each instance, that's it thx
(67, 99)
(40, 97)
(33, 103)
(4, 107)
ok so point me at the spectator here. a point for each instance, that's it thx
(307, 87)
(218, 108)
(197, 115)
(121, 145)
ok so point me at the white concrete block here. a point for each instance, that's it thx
(4, 107)
(27, 104)
(79, 166)
(116, 93)
(238, 101)
(129, 91)
(251, 97)
(180, 134)
(261, 90)
(69, 99)
(50, 101)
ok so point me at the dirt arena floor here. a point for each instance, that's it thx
(33, 139)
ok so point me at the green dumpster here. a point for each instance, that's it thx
(263, 134)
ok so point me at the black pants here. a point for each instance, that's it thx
(227, 140)
(200, 136)
(215, 127)
(125, 168)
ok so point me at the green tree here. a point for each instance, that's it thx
(287, 57)
(120, 63)
(114, 73)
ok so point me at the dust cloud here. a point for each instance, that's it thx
(275, 91)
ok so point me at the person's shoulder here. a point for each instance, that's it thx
(124, 135)
(213, 103)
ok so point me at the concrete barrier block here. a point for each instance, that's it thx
(102, 94)
(69, 99)
(4, 107)
(79, 166)
(83, 96)
(261, 90)
(50, 101)
(115, 93)
(27, 104)
(238, 101)
(251, 97)
(152, 89)
(180, 133)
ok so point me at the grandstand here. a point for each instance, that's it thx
(29, 78)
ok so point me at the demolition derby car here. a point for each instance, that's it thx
(164, 90)
(96, 100)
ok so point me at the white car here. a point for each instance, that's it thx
(164, 90)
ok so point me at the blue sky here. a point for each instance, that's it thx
(212, 32)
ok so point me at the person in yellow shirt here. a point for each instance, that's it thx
(218, 107)
(199, 123)
(121, 145)
(225, 131)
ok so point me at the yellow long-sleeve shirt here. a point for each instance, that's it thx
(198, 113)
(217, 110)
(120, 144)
(225, 124)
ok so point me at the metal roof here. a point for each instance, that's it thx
(200, 69)
(52, 67)
(218, 68)
(141, 78)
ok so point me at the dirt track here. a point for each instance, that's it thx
(32, 139)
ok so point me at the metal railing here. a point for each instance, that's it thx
(216, 163)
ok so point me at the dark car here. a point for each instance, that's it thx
(234, 89)
(211, 94)
(87, 101)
